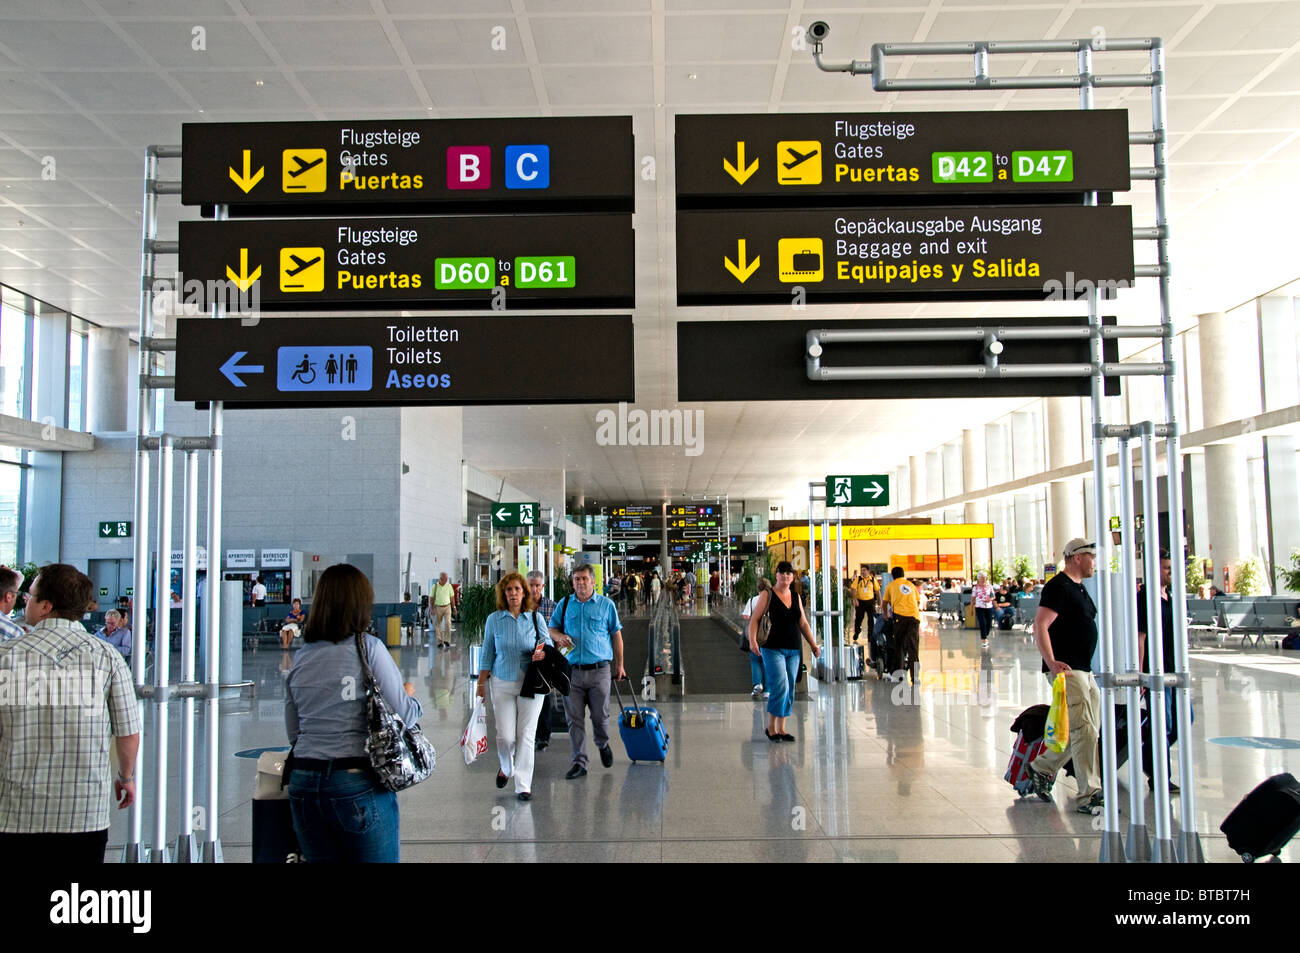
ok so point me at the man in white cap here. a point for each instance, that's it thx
(1065, 632)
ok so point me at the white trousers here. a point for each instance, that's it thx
(516, 721)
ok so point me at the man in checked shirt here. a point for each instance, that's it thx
(63, 695)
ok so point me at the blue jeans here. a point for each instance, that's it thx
(756, 669)
(780, 668)
(344, 817)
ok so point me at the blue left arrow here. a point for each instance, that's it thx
(233, 367)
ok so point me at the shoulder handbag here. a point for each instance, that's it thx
(400, 754)
(765, 622)
(551, 674)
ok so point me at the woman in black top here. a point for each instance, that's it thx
(781, 653)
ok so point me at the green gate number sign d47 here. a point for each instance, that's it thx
(1057, 166)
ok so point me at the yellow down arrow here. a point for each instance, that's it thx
(243, 281)
(742, 271)
(738, 171)
(249, 178)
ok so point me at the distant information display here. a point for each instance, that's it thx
(791, 159)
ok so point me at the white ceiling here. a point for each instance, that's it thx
(91, 82)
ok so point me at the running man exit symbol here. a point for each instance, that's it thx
(842, 491)
(799, 162)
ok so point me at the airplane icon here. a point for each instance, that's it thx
(300, 264)
(300, 167)
(303, 170)
(800, 162)
(302, 269)
(798, 157)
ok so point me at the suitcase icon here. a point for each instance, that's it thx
(806, 261)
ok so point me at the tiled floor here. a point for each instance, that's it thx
(877, 774)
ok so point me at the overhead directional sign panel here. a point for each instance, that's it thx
(346, 361)
(793, 160)
(516, 514)
(899, 254)
(858, 490)
(566, 163)
(455, 262)
(766, 360)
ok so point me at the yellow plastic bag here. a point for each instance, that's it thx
(1056, 733)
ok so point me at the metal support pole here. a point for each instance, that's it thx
(1112, 845)
(1138, 845)
(158, 854)
(830, 663)
(812, 562)
(185, 853)
(212, 853)
(1162, 851)
(843, 666)
(1189, 844)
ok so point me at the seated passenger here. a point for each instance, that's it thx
(1003, 610)
(116, 632)
(292, 622)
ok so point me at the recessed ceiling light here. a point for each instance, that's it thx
(258, 82)
(692, 76)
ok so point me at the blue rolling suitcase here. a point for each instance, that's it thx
(641, 729)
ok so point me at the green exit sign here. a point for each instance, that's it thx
(871, 489)
(954, 168)
(1053, 166)
(113, 529)
(515, 514)
(616, 549)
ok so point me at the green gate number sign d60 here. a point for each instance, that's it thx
(1057, 166)
(545, 272)
(959, 167)
(459, 274)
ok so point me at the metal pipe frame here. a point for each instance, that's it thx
(1162, 850)
(1189, 839)
(1112, 844)
(132, 851)
(979, 371)
(158, 854)
(185, 853)
(812, 560)
(824, 336)
(1138, 845)
(1189, 847)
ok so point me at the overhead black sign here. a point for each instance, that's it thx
(826, 158)
(764, 360)
(390, 165)
(460, 360)
(539, 261)
(898, 254)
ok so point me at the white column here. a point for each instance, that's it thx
(972, 479)
(1064, 447)
(934, 476)
(954, 483)
(107, 380)
(901, 490)
(1277, 340)
(916, 480)
(1025, 437)
(1225, 397)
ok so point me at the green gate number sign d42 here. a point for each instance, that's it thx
(960, 167)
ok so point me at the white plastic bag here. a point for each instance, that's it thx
(474, 741)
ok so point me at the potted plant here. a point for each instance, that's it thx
(1290, 578)
(1249, 581)
(476, 604)
(1195, 574)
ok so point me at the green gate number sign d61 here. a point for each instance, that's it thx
(1057, 166)
(958, 167)
(459, 274)
(543, 272)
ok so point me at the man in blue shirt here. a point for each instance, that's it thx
(116, 632)
(588, 622)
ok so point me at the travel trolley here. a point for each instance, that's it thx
(641, 729)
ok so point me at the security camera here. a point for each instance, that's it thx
(819, 30)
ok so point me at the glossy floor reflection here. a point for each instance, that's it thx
(879, 773)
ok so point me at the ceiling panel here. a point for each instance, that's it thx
(1245, 26)
(226, 45)
(466, 88)
(592, 39)
(484, 42)
(696, 40)
(329, 43)
(583, 86)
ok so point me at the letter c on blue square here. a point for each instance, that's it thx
(528, 167)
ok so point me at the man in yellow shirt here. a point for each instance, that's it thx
(863, 588)
(900, 598)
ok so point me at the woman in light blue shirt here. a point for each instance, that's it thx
(511, 638)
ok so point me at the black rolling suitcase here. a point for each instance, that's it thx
(1265, 820)
(879, 648)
